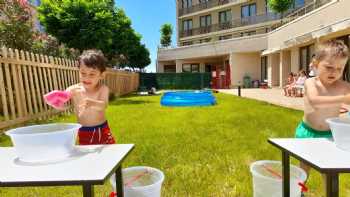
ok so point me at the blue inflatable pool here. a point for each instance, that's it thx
(188, 98)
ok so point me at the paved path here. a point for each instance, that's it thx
(274, 96)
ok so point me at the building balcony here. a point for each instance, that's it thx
(206, 5)
(230, 24)
(293, 14)
(252, 20)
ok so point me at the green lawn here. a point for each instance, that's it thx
(203, 151)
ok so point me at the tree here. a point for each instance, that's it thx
(166, 32)
(280, 6)
(80, 24)
(126, 49)
(85, 24)
(139, 57)
(16, 30)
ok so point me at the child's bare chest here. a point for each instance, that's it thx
(94, 96)
(331, 91)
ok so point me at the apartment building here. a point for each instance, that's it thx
(234, 38)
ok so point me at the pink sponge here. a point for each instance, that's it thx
(57, 98)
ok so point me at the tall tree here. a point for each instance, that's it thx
(166, 32)
(126, 49)
(280, 6)
(80, 24)
(16, 29)
(84, 24)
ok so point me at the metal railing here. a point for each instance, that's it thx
(231, 24)
(288, 17)
(294, 14)
(205, 5)
(235, 34)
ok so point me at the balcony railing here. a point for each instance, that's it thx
(288, 17)
(205, 5)
(230, 24)
(303, 10)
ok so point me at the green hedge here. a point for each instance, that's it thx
(174, 80)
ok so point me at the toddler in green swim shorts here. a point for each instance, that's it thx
(326, 93)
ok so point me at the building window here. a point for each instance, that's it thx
(205, 21)
(170, 68)
(248, 10)
(304, 58)
(187, 25)
(225, 37)
(263, 68)
(346, 73)
(208, 68)
(298, 4)
(186, 3)
(194, 68)
(225, 16)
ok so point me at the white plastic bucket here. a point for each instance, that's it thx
(340, 128)
(267, 184)
(138, 185)
(47, 142)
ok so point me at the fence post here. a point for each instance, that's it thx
(9, 85)
(3, 91)
(54, 75)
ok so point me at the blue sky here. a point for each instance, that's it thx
(147, 18)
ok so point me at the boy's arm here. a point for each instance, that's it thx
(73, 88)
(99, 104)
(318, 101)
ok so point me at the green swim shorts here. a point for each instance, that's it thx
(305, 131)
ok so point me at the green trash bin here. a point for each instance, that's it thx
(247, 82)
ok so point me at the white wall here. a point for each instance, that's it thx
(273, 69)
(245, 63)
(285, 67)
(294, 60)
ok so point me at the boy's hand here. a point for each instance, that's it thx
(86, 103)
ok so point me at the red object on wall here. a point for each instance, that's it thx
(214, 77)
(221, 78)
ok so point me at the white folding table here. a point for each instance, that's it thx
(319, 153)
(87, 166)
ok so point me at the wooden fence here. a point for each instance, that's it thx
(25, 77)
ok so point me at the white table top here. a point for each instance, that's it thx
(92, 164)
(320, 153)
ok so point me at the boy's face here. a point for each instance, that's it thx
(331, 69)
(89, 77)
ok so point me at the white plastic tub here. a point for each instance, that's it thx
(267, 184)
(143, 181)
(340, 128)
(44, 142)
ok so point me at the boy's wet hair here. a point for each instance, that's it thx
(93, 59)
(332, 48)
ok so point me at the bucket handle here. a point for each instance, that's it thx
(278, 175)
(136, 177)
